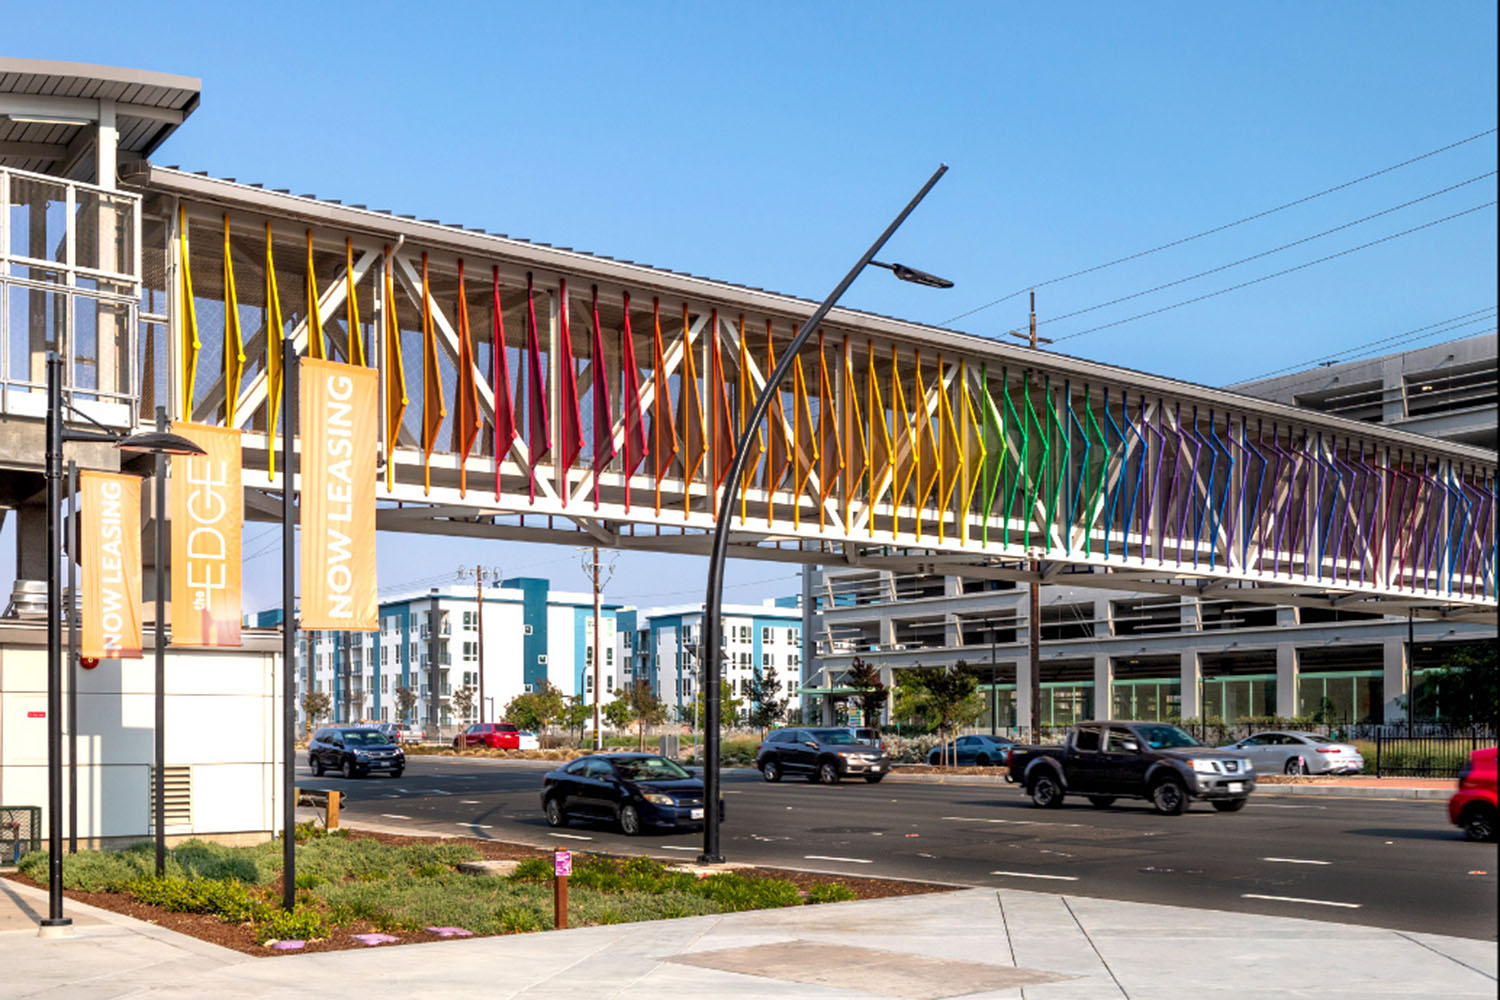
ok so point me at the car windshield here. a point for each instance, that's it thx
(1318, 739)
(364, 737)
(1160, 737)
(840, 736)
(649, 769)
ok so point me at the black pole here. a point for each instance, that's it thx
(715, 589)
(994, 689)
(55, 918)
(73, 611)
(1411, 650)
(288, 634)
(159, 634)
(433, 691)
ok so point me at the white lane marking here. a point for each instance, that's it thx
(1057, 878)
(438, 791)
(1011, 822)
(826, 857)
(481, 826)
(569, 836)
(1297, 861)
(404, 790)
(675, 847)
(1298, 899)
(468, 802)
(394, 816)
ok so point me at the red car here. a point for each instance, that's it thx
(496, 736)
(1473, 806)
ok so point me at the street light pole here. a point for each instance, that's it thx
(289, 632)
(713, 598)
(159, 648)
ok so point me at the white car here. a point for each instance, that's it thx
(1292, 752)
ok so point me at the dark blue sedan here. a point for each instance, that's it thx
(639, 791)
(977, 750)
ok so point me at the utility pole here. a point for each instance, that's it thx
(434, 690)
(591, 566)
(481, 573)
(1034, 631)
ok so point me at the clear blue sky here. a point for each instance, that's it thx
(767, 143)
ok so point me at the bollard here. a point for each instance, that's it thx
(562, 867)
(331, 818)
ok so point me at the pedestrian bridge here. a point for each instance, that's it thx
(539, 393)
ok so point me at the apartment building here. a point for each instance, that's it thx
(531, 633)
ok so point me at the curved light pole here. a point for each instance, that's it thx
(712, 670)
(159, 443)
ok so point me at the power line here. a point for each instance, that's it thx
(1267, 253)
(1449, 324)
(1227, 225)
(1278, 274)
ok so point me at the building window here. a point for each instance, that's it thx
(609, 657)
(588, 656)
(588, 682)
(765, 659)
(791, 636)
(525, 629)
(609, 682)
(542, 659)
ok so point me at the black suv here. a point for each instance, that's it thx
(356, 751)
(823, 755)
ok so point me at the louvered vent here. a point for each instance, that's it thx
(179, 797)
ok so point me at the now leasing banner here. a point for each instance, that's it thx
(337, 417)
(111, 529)
(207, 517)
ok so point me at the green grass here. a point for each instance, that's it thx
(344, 880)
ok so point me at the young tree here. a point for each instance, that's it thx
(577, 713)
(315, 705)
(463, 701)
(617, 711)
(766, 704)
(941, 697)
(1465, 691)
(729, 706)
(869, 690)
(406, 700)
(537, 709)
(646, 708)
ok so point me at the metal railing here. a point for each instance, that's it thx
(1399, 754)
(70, 281)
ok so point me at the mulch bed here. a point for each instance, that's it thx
(241, 937)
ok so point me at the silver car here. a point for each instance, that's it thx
(1291, 752)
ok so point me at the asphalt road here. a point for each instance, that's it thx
(1387, 863)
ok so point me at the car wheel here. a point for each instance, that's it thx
(555, 814)
(983, 760)
(349, 769)
(770, 771)
(828, 773)
(932, 759)
(874, 779)
(1295, 766)
(316, 764)
(1479, 823)
(1101, 801)
(630, 821)
(1047, 792)
(456, 744)
(1169, 797)
(1230, 805)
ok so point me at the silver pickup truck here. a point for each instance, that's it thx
(1155, 761)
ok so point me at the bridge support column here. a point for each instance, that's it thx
(1023, 697)
(1191, 684)
(1395, 671)
(1286, 680)
(1104, 677)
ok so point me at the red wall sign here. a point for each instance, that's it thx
(36, 715)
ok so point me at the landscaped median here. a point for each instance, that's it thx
(365, 889)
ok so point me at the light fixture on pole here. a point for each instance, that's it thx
(713, 600)
(159, 443)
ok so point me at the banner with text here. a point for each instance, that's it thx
(111, 565)
(336, 419)
(208, 515)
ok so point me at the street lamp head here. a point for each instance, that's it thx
(913, 275)
(159, 443)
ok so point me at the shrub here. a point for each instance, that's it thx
(521, 919)
(255, 865)
(302, 924)
(731, 892)
(532, 870)
(98, 871)
(227, 899)
(309, 880)
(830, 892)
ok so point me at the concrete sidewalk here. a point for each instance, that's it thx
(976, 943)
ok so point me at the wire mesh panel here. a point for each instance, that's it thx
(20, 832)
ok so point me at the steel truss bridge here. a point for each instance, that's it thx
(537, 393)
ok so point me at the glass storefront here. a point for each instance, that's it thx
(1341, 697)
(1243, 696)
(1147, 698)
(1063, 703)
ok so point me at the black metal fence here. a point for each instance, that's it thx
(20, 832)
(1422, 756)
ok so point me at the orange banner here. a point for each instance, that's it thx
(337, 417)
(208, 515)
(111, 529)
